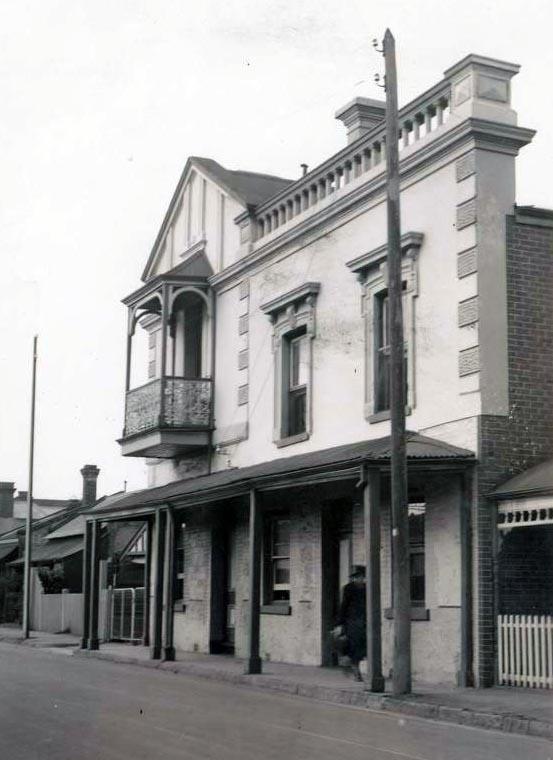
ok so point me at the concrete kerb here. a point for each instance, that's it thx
(414, 707)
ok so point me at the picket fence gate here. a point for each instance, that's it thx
(525, 650)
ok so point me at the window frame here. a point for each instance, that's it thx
(270, 587)
(375, 288)
(292, 316)
(381, 309)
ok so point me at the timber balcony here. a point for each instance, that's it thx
(172, 413)
(166, 417)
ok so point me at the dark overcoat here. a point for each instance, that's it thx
(353, 618)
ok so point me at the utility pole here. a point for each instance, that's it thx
(29, 521)
(401, 681)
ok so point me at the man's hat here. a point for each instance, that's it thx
(357, 571)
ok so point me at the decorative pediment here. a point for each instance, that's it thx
(410, 246)
(292, 310)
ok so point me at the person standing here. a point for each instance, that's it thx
(352, 618)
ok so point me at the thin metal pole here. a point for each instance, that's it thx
(29, 522)
(401, 681)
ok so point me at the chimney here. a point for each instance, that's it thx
(361, 115)
(22, 495)
(90, 475)
(6, 499)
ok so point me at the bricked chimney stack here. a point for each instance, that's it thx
(6, 499)
(361, 115)
(90, 477)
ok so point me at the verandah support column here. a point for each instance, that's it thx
(465, 676)
(87, 553)
(93, 641)
(371, 513)
(253, 661)
(147, 582)
(168, 644)
(157, 601)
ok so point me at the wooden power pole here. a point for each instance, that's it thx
(401, 681)
(29, 522)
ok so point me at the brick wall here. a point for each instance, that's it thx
(512, 444)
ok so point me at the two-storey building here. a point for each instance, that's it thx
(262, 409)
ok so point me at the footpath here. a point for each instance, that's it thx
(501, 708)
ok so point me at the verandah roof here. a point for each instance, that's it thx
(225, 482)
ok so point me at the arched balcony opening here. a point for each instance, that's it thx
(168, 407)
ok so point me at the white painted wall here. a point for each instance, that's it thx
(203, 211)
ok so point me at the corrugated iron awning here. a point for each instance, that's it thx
(419, 448)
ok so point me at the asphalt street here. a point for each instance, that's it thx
(57, 707)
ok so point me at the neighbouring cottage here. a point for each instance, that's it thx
(260, 401)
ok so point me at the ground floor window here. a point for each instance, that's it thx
(277, 560)
(416, 553)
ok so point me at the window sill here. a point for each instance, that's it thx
(291, 439)
(384, 415)
(417, 613)
(276, 609)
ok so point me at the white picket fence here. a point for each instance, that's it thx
(525, 650)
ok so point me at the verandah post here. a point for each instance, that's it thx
(86, 583)
(157, 601)
(371, 513)
(253, 661)
(147, 582)
(93, 641)
(168, 644)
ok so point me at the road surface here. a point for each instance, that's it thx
(54, 706)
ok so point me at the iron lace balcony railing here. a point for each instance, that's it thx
(186, 404)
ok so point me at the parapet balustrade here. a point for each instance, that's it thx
(416, 121)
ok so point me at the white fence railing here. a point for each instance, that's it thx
(127, 614)
(525, 650)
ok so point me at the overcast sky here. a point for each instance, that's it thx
(101, 103)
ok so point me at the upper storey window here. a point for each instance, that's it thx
(298, 349)
(293, 318)
(372, 273)
(382, 351)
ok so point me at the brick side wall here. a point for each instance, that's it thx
(511, 444)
